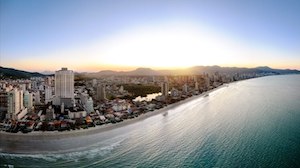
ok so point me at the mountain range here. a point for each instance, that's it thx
(16, 74)
(191, 71)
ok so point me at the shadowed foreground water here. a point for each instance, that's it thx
(252, 123)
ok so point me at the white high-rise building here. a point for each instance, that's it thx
(89, 106)
(14, 103)
(64, 87)
(28, 99)
(64, 83)
(48, 94)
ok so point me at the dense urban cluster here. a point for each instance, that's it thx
(59, 103)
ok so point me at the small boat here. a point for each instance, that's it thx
(166, 113)
(206, 95)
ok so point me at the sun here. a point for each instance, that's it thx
(179, 46)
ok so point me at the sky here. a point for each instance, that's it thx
(94, 35)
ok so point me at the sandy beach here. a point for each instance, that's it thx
(19, 140)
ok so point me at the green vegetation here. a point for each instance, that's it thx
(81, 77)
(9, 73)
(110, 97)
(141, 90)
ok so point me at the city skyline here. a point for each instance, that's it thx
(124, 35)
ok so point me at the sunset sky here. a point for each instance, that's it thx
(93, 35)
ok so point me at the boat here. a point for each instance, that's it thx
(206, 95)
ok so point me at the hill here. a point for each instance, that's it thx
(10, 73)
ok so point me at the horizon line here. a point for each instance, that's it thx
(156, 69)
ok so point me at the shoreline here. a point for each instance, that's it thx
(19, 143)
(102, 128)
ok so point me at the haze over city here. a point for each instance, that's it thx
(124, 35)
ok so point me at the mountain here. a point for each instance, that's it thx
(191, 71)
(264, 68)
(10, 73)
(137, 72)
(278, 71)
(143, 72)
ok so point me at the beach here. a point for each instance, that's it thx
(17, 142)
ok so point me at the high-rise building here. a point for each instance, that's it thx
(28, 99)
(21, 98)
(64, 87)
(101, 94)
(196, 86)
(14, 103)
(64, 83)
(94, 82)
(3, 104)
(3, 100)
(48, 94)
(36, 98)
(34, 85)
(185, 88)
(49, 80)
(165, 88)
(89, 106)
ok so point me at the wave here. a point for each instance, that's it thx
(92, 152)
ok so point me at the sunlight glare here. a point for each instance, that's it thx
(168, 47)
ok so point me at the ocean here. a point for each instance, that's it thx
(250, 123)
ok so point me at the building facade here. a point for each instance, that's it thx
(165, 88)
(48, 94)
(64, 87)
(101, 93)
(3, 104)
(64, 83)
(28, 100)
(14, 103)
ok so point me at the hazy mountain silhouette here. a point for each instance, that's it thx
(10, 73)
(196, 70)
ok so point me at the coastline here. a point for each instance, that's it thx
(107, 127)
(18, 143)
